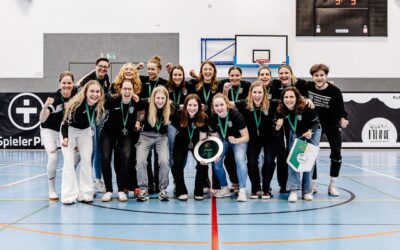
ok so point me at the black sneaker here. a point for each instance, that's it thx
(143, 196)
(163, 196)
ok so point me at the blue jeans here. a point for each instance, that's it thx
(171, 140)
(294, 182)
(96, 154)
(239, 150)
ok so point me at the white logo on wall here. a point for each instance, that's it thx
(23, 111)
(379, 131)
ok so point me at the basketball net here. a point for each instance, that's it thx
(262, 62)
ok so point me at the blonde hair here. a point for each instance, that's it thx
(226, 100)
(156, 60)
(152, 116)
(293, 79)
(265, 100)
(136, 83)
(80, 97)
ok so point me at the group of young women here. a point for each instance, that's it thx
(146, 113)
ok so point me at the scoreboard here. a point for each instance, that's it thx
(341, 17)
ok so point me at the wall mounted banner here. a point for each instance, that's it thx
(374, 121)
(19, 120)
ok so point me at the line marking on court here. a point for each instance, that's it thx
(5, 226)
(214, 225)
(371, 171)
(22, 163)
(25, 180)
(105, 238)
(373, 188)
(311, 239)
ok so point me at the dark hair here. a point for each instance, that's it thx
(298, 107)
(64, 74)
(170, 84)
(264, 67)
(214, 82)
(200, 117)
(156, 60)
(235, 68)
(317, 67)
(105, 59)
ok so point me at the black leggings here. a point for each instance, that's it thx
(334, 136)
(122, 147)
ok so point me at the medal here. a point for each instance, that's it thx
(89, 117)
(225, 129)
(124, 131)
(206, 97)
(257, 121)
(235, 94)
(125, 119)
(205, 107)
(190, 146)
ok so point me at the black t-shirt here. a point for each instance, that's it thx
(149, 85)
(56, 109)
(163, 128)
(113, 123)
(265, 129)
(179, 94)
(105, 82)
(182, 137)
(236, 123)
(79, 119)
(203, 93)
(236, 93)
(306, 120)
(328, 104)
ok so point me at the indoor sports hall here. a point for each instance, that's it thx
(44, 206)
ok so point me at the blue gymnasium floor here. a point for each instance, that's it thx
(365, 216)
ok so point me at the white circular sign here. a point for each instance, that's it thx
(379, 131)
(208, 144)
(25, 110)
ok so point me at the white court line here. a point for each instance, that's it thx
(26, 179)
(377, 173)
(23, 163)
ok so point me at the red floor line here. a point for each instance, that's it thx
(214, 225)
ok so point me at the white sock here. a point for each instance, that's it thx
(333, 180)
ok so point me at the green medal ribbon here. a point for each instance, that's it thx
(179, 96)
(62, 102)
(235, 94)
(206, 97)
(191, 132)
(125, 119)
(223, 131)
(293, 125)
(155, 85)
(257, 119)
(158, 124)
(90, 119)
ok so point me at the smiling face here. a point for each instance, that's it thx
(160, 100)
(258, 95)
(192, 107)
(235, 76)
(66, 86)
(265, 76)
(102, 69)
(93, 94)
(220, 107)
(126, 91)
(152, 71)
(129, 71)
(285, 76)
(289, 99)
(320, 79)
(208, 72)
(177, 77)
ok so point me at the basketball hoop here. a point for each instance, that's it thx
(262, 62)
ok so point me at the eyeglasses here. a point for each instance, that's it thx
(102, 66)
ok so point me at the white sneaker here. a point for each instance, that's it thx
(107, 197)
(53, 196)
(242, 195)
(314, 187)
(256, 195)
(293, 196)
(332, 190)
(99, 186)
(122, 196)
(223, 192)
(308, 197)
(183, 197)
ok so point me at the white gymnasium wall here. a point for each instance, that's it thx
(23, 23)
